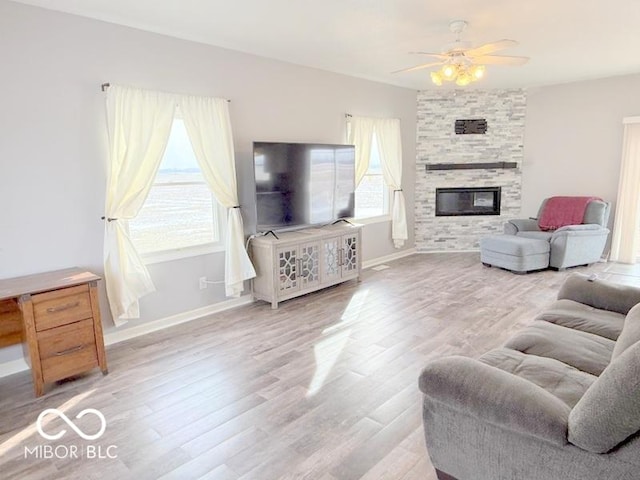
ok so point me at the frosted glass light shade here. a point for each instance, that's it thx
(449, 72)
(477, 71)
(436, 77)
(463, 79)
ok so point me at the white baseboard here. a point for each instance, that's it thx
(117, 336)
(388, 258)
(474, 250)
(13, 366)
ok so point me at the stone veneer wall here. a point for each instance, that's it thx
(437, 142)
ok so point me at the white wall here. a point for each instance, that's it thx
(53, 142)
(573, 139)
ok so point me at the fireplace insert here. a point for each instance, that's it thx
(467, 201)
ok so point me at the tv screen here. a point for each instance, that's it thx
(299, 184)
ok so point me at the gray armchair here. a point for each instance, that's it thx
(570, 245)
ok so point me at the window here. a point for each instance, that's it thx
(180, 216)
(372, 195)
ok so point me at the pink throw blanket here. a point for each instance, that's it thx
(561, 211)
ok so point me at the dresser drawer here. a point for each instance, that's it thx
(61, 307)
(67, 350)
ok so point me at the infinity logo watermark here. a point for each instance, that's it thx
(71, 451)
(60, 434)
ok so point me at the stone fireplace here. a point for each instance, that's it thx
(479, 175)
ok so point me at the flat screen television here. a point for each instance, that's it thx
(302, 184)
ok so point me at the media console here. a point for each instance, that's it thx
(303, 261)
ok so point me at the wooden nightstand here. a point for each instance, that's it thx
(57, 317)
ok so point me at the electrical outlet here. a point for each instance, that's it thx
(203, 282)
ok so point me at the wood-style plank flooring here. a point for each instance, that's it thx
(323, 388)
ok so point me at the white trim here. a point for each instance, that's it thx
(117, 336)
(388, 258)
(179, 253)
(626, 120)
(370, 220)
(474, 250)
(13, 366)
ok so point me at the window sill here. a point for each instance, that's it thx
(180, 253)
(370, 220)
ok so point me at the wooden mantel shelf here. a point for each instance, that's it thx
(471, 166)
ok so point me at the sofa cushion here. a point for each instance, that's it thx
(598, 293)
(536, 235)
(585, 318)
(597, 212)
(514, 245)
(630, 332)
(580, 228)
(584, 351)
(609, 411)
(564, 382)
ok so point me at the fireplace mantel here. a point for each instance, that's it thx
(471, 166)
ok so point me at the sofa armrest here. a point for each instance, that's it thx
(497, 397)
(599, 294)
(512, 227)
(585, 227)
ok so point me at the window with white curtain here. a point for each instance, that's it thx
(372, 195)
(180, 217)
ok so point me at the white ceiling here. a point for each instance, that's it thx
(567, 40)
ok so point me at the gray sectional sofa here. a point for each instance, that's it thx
(559, 401)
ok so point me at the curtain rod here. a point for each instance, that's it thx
(105, 86)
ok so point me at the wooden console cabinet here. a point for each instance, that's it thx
(57, 318)
(303, 261)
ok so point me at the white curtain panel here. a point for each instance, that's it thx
(209, 128)
(360, 134)
(625, 242)
(139, 123)
(390, 147)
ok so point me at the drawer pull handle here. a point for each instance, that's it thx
(66, 306)
(69, 350)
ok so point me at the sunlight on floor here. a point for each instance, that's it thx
(328, 349)
(21, 436)
(626, 274)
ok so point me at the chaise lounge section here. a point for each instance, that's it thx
(560, 400)
(521, 248)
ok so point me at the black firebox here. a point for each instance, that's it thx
(467, 201)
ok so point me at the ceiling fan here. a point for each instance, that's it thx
(462, 63)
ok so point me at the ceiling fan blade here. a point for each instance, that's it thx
(441, 56)
(488, 48)
(418, 67)
(500, 60)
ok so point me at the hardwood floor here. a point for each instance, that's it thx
(323, 388)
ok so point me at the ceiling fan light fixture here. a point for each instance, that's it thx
(477, 71)
(464, 79)
(457, 61)
(449, 71)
